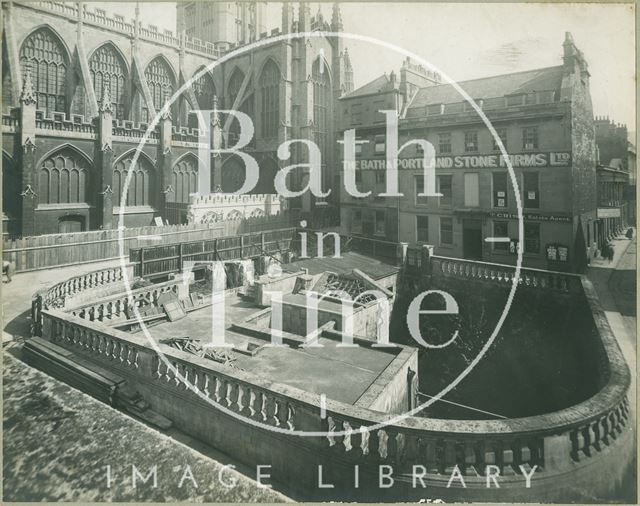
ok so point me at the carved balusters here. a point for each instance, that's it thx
(331, 428)
(270, 410)
(470, 459)
(244, 400)
(508, 461)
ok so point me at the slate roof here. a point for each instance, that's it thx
(544, 79)
(378, 85)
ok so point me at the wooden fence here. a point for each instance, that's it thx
(58, 250)
(166, 259)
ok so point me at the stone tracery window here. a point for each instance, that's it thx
(321, 105)
(204, 90)
(234, 88)
(185, 178)
(108, 68)
(44, 53)
(63, 178)
(141, 184)
(269, 98)
(161, 84)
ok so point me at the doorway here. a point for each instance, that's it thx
(472, 239)
(70, 224)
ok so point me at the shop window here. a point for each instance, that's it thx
(531, 190)
(500, 229)
(471, 189)
(444, 143)
(422, 228)
(532, 237)
(500, 189)
(380, 223)
(471, 142)
(358, 176)
(380, 145)
(502, 133)
(530, 138)
(446, 189)
(381, 177)
(446, 231)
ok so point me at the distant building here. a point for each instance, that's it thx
(545, 121)
(616, 177)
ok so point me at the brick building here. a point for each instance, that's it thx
(545, 121)
(71, 128)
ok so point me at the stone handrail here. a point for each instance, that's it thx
(553, 442)
(56, 294)
(224, 198)
(115, 306)
(504, 274)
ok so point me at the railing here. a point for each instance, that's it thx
(553, 442)
(113, 308)
(117, 23)
(500, 273)
(162, 260)
(55, 296)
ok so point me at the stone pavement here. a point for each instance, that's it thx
(615, 284)
(57, 440)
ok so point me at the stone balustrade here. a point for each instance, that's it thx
(503, 274)
(120, 306)
(553, 442)
(117, 23)
(56, 295)
(230, 198)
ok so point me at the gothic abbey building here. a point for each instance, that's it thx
(80, 88)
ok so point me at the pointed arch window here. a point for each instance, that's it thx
(321, 105)
(185, 178)
(204, 90)
(44, 53)
(63, 178)
(108, 68)
(141, 183)
(270, 99)
(235, 86)
(161, 84)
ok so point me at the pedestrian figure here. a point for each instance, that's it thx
(629, 233)
(7, 269)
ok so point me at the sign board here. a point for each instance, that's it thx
(158, 221)
(531, 216)
(608, 212)
(552, 159)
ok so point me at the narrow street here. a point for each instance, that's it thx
(615, 283)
